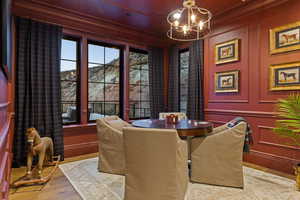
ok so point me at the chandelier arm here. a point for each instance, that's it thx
(187, 40)
(170, 15)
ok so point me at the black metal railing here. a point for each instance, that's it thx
(106, 108)
(137, 112)
(65, 105)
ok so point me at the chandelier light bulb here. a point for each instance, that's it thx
(185, 29)
(176, 23)
(193, 18)
(201, 24)
(177, 15)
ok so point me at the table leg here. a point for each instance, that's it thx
(189, 142)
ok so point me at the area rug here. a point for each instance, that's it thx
(259, 185)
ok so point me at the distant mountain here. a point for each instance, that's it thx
(110, 75)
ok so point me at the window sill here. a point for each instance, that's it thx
(78, 125)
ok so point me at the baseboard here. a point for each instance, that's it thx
(278, 163)
(81, 149)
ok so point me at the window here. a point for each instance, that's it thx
(103, 80)
(138, 85)
(69, 80)
(183, 79)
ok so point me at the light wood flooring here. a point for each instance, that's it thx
(59, 188)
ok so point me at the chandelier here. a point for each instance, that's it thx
(189, 23)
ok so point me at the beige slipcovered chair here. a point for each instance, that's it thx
(156, 164)
(180, 115)
(111, 146)
(217, 158)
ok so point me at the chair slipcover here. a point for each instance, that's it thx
(156, 164)
(180, 115)
(217, 158)
(111, 147)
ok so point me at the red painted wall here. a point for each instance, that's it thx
(254, 101)
(5, 156)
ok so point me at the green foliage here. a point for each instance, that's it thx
(289, 127)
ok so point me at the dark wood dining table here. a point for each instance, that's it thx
(184, 127)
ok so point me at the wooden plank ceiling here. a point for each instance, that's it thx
(146, 15)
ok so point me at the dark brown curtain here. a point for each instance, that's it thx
(173, 86)
(156, 81)
(195, 106)
(37, 85)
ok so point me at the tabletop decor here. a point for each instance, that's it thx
(285, 38)
(172, 119)
(189, 23)
(285, 76)
(227, 81)
(227, 52)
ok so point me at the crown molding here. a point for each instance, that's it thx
(251, 7)
(41, 11)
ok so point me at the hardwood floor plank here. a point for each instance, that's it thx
(57, 188)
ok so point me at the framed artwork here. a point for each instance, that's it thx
(227, 52)
(227, 81)
(285, 76)
(285, 38)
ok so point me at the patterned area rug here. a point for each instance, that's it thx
(93, 185)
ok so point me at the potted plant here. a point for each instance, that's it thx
(289, 126)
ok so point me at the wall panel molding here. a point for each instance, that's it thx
(4, 134)
(217, 122)
(254, 101)
(5, 155)
(268, 101)
(272, 161)
(227, 101)
(248, 113)
(4, 105)
(241, 32)
(261, 141)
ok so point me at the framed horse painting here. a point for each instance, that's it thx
(285, 38)
(227, 52)
(285, 76)
(227, 81)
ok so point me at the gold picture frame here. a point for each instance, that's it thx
(227, 81)
(285, 38)
(285, 76)
(227, 52)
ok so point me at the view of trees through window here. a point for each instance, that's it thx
(139, 85)
(69, 81)
(103, 80)
(183, 75)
